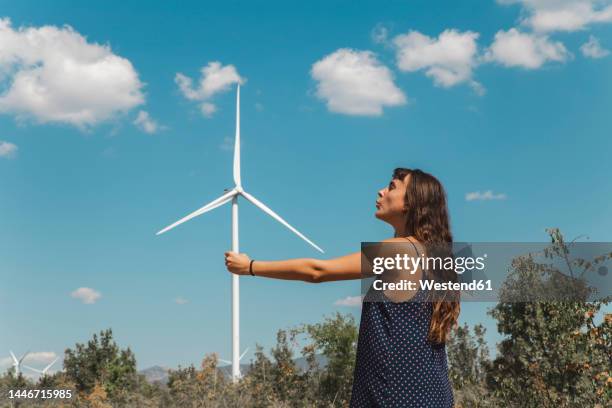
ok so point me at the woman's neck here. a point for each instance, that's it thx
(401, 231)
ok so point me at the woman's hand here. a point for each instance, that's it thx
(237, 263)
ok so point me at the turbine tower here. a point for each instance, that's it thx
(17, 362)
(42, 372)
(232, 196)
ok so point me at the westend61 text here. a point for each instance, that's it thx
(433, 285)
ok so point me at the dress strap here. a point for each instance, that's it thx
(415, 248)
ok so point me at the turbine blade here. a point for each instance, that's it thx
(243, 353)
(14, 358)
(210, 206)
(225, 361)
(33, 369)
(24, 356)
(49, 366)
(237, 180)
(271, 213)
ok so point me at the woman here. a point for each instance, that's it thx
(401, 354)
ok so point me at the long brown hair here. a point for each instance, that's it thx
(427, 220)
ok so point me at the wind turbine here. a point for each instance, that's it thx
(232, 196)
(17, 362)
(43, 372)
(239, 358)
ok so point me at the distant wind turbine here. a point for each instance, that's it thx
(232, 196)
(43, 372)
(17, 362)
(239, 358)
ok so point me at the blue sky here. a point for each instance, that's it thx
(487, 96)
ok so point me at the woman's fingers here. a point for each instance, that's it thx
(233, 261)
(236, 262)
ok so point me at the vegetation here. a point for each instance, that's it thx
(552, 355)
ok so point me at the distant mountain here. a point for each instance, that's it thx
(227, 369)
(158, 374)
(302, 364)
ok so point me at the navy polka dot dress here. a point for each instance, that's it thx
(396, 365)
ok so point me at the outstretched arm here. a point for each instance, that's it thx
(304, 269)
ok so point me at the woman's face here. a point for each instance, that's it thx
(390, 202)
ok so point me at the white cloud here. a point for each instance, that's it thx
(513, 48)
(40, 357)
(563, 15)
(208, 109)
(86, 295)
(485, 195)
(228, 144)
(180, 301)
(449, 59)
(593, 48)
(145, 122)
(380, 34)
(351, 301)
(215, 78)
(355, 83)
(8, 150)
(55, 75)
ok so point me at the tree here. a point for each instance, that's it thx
(260, 380)
(101, 362)
(336, 339)
(284, 373)
(553, 353)
(468, 357)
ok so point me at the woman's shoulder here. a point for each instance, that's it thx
(407, 240)
(399, 245)
(402, 239)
